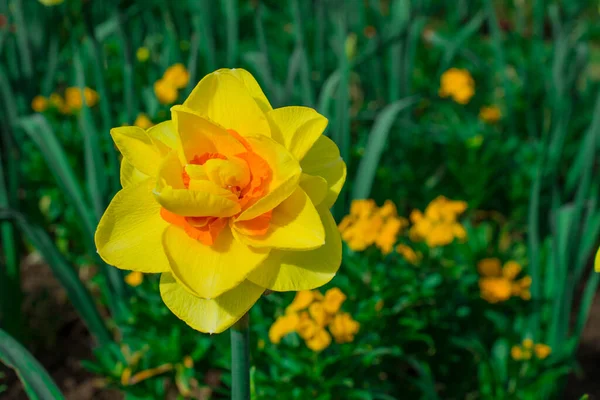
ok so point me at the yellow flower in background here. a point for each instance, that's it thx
(516, 353)
(177, 76)
(343, 328)
(542, 351)
(408, 254)
(438, 225)
(333, 300)
(499, 283)
(165, 92)
(490, 114)
(458, 84)
(143, 121)
(323, 312)
(319, 341)
(39, 104)
(134, 278)
(368, 225)
(495, 290)
(55, 100)
(524, 351)
(282, 326)
(142, 54)
(229, 198)
(74, 98)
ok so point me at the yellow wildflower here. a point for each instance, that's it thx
(74, 98)
(408, 254)
(495, 290)
(511, 270)
(438, 226)
(526, 354)
(177, 76)
(143, 121)
(490, 114)
(542, 350)
(39, 103)
(388, 235)
(307, 328)
(56, 101)
(343, 328)
(134, 278)
(458, 84)
(49, 3)
(333, 300)
(319, 341)
(489, 267)
(220, 183)
(302, 300)
(282, 326)
(261, 344)
(188, 362)
(318, 314)
(516, 353)
(142, 54)
(165, 92)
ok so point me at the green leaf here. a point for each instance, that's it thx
(377, 141)
(37, 383)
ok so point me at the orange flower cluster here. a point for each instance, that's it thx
(528, 348)
(499, 283)
(438, 226)
(368, 224)
(72, 102)
(310, 313)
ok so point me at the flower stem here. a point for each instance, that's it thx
(240, 359)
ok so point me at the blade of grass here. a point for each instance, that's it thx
(367, 169)
(203, 23)
(65, 274)
(21, 33)
(231, 23)
(305, 70)
(36, 382)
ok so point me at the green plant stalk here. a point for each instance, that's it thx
(231, 17)
(240, 359)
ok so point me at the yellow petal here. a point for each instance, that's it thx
(295, 224)
(164, 136)
(315, 187)
(203, 198)
(209, 316)
(198, 135)
(129, 174)
(252, 86)
(225, 100)
(323, 159)
(302, 270)
(209, 271)
(597, 261)
(286, 174)
(129, 235)
(297, 128)
(137, 147)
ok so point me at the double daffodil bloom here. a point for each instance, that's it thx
(227, 199)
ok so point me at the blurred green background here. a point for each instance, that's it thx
(492, 103)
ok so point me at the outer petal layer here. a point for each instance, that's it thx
(129, 235)
(129, 174)
(224, 99)
(324, 160)
(295, 224)
(209, 271)
(210, 316)
(302, 270)
(164, 136)
(137, 147)
(252, 86)
(297, 128)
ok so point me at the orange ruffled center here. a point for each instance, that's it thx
(246, 175)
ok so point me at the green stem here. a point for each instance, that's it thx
(240, 359)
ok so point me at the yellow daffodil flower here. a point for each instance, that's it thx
(229, 198)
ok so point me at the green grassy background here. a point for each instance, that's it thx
(373, 69)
